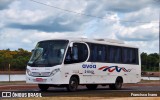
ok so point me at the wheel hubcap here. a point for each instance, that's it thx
(73, 84)
(118, 83)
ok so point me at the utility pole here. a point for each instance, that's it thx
(159, 43)
(9, 72)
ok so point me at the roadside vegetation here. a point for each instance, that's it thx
(18, 60)
(150, 62)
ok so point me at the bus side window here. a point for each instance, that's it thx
(77, 53)
(130, 56)
(125, 55)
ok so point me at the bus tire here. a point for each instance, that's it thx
(117, 85)
(73, 84)
(43, 87)
(91, 86)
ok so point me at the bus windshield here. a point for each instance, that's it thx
(48, 53)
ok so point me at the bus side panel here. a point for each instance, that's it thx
(101, 73)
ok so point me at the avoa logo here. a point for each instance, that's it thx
(88, 66)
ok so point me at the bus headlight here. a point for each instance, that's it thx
(29, 72)
(55, 71)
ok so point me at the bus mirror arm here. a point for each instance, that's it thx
(32, 50)
(71, 49)
(71, 54)
(71, 44)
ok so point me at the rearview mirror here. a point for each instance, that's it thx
(32, 50)
(71, 44)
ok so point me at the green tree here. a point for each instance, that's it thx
(144, 60)
(18, 59)
(149, 62)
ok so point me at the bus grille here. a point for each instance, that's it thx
(40, 74)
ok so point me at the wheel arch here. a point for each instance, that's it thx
(76, 76)
(120, 78)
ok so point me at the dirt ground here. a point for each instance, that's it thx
(150, 74)
(90, 98)
(12, 72)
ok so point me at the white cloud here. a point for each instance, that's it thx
(147, 15)
(24, 23)
(5, 3)
(15, 38)
(145, 32)
(147, 46)
(22, 16)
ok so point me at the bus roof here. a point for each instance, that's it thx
(96, 40)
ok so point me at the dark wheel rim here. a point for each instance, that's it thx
(73, 85)
(118, 83)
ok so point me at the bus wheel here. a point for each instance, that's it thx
(73, 84)
(43, 87)
(117, 85)
(91, 86)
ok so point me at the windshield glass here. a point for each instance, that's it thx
(48, 53)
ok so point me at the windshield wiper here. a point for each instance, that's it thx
(45, 51)
(39, 57)
(33, 63)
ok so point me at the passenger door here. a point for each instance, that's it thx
(75, 58)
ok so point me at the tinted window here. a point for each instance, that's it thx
(97, 53)
(114, 54)
(130, 55)
(101, 55)
(78, 53)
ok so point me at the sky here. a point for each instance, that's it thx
(25, 22)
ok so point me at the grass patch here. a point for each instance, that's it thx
(12, 82)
